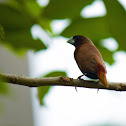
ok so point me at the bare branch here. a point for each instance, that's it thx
(59, 81)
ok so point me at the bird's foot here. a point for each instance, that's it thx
(79, 78)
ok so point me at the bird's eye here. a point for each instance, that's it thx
(74, 37)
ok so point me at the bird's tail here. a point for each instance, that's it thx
(102, 78)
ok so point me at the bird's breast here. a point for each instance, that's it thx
(87, 57)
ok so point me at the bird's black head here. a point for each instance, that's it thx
(78, 40)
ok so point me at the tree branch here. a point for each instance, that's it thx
(59, 81)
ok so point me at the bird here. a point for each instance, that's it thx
(89, 59)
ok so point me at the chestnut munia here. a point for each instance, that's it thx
(89, 59)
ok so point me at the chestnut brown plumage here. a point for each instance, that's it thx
(89, 59)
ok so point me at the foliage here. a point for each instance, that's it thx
(17, 27)
(115, 19)
(24, 14)
(3, 87)
(4, 91)
(18, 16)
(1, 33)
(61, 9)
(42, 91)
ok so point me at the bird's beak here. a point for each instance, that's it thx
(71, 41)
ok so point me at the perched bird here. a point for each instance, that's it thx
(89, 59)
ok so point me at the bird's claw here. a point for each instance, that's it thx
(79, 78)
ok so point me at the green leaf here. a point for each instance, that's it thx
(61, 9)
(107, 55)
(17, 21)
(33, 8)
(94, 28)
(17, 29)
(23, 40)
(3, 88)
(42, 91)
(2, 35)
(116, 19)
(4, 91)
(46, 24)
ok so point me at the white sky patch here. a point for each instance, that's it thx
(96, 9)
(110, 43)
(116, 72)
(43, 3)
(38, 32)
(59, 25)
(123, 3)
